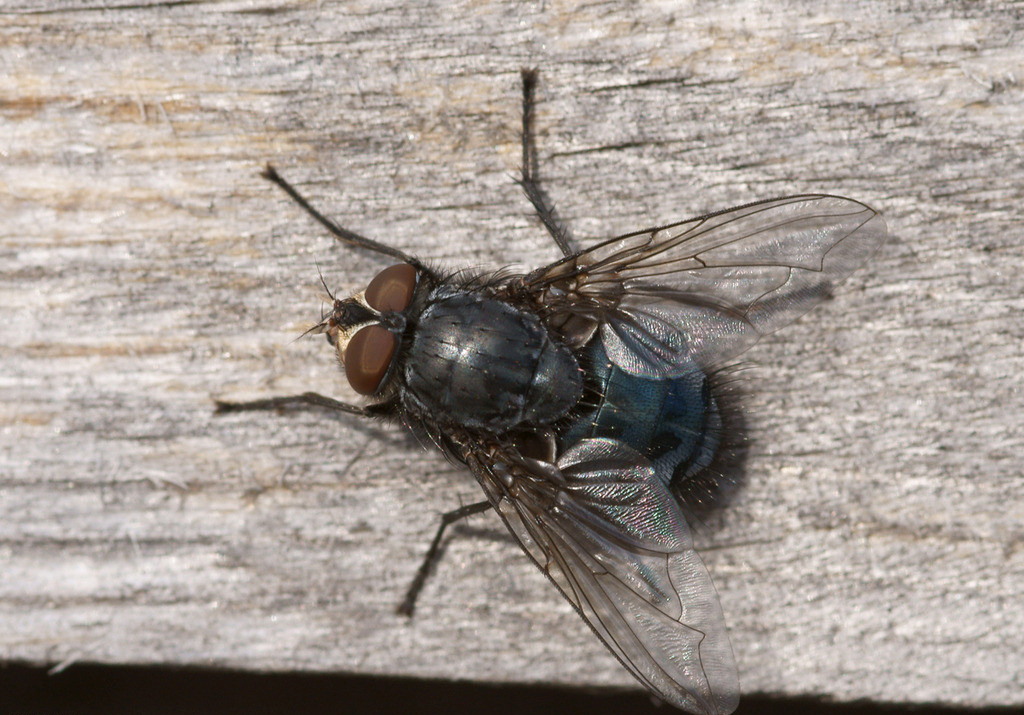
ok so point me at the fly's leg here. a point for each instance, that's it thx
(313, 399)
(408, 604)
(342, 234)
(530, 181)
(306, 399)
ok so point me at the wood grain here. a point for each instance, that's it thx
(876, 549)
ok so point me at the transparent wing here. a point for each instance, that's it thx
(614, 541)
(703, 291)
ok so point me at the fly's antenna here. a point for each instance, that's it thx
(324, 283)
(322, 326)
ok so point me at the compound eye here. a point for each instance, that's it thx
(392, 289)
(368, 357)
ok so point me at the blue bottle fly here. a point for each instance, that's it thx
(583, 398)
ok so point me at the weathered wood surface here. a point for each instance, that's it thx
(876, 551)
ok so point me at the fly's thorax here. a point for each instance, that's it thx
(477, 361)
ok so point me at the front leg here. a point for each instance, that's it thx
(306, 399)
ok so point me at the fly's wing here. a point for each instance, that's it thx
(703, 291)
(613, 540)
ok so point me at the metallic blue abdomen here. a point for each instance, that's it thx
(675, 423)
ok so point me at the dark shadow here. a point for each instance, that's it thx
(123, 690)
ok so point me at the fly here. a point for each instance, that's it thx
(582, 397)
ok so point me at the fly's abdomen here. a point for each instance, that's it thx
(674, 422)
(482, 363)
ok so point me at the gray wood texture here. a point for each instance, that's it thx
(877, 550)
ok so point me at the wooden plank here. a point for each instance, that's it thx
(875, 551)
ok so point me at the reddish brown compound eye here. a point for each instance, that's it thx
(368, 357)
(392, 289)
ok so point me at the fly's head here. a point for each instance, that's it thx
(366, 330)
